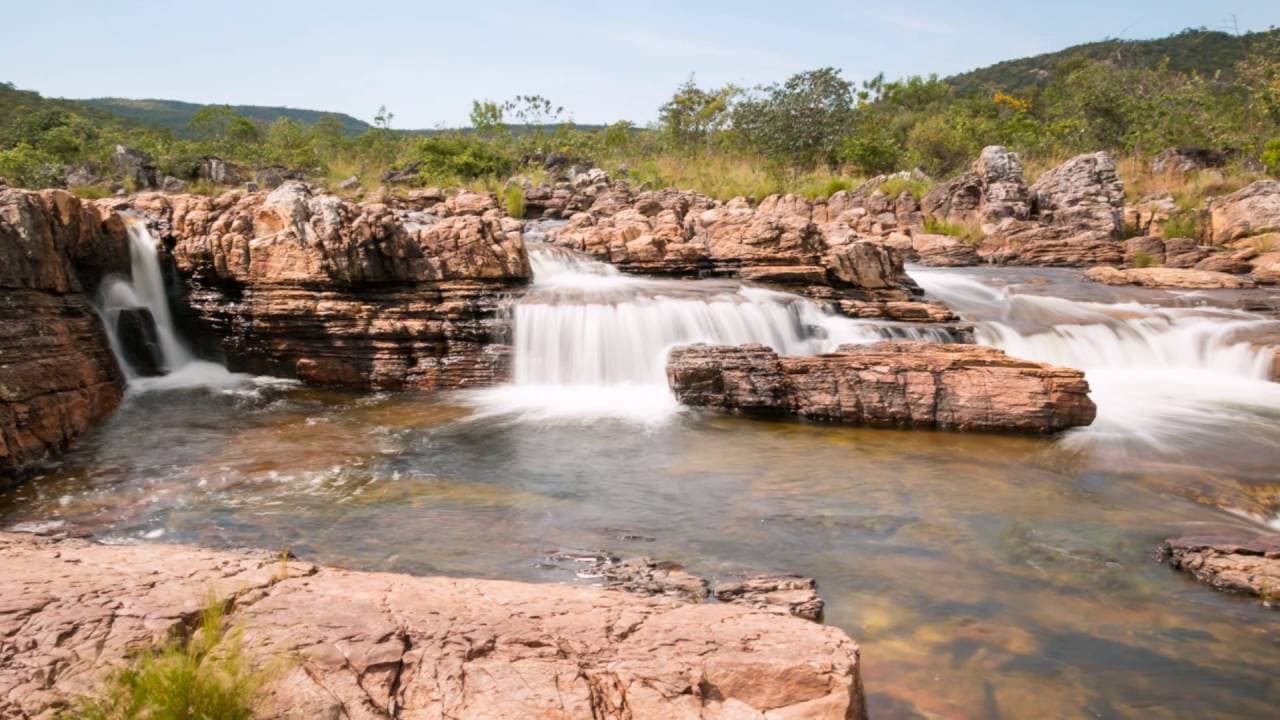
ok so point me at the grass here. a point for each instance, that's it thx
(819, 188)
(1181, 224)
(207, 677)
(916, 187)
(513, 201)
(969, 234)
(1143, 260)
(92, 192)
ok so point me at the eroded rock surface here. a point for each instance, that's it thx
(375, 645)
(1248, 565)
(57, 374)
(1164, 277)
(895, 383)
(1252, 210)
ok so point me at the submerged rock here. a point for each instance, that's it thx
(370, 645)
(960, 387)
(1248, 565)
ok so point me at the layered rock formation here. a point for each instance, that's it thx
(962, 387)
(1252, 210)
(1163, 277)
(379, 294)
(57, 374)
(1247, 565)
(373, 645)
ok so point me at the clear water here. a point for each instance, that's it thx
(984, 575)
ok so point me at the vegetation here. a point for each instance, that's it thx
(205, 678)
(813, 134)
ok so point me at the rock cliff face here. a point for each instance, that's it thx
(57, 374)
(308, 285)
(962, 387)
(375, 645)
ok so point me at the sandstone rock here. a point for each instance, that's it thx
(1144, 251)
(1248, 565)
(269, 177)
(1084, 194)
(135, 167)
(1184, 252)
(894, 383)
(217, 171)
(1050, 246)
(350, 183)
(944, 251)
(1185, 160)
(1148, 215)
(172, 185)
(372, 645)
(1226, 262)
(59, 376)
(782, 593)
(82, 176)
(1252, 210)
(992, 192)
(1164, 277)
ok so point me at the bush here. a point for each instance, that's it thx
(513, 201)
(1181, 224)
(1271, 156)
(451, 158)
(26, 166)
(1143, 260)
(915, 186)
(969, 234)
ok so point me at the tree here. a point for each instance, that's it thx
(802, 122)
(486, 116)
(691, 117)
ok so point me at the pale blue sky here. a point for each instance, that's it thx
(603, 61)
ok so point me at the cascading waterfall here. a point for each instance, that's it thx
(177, 365)
(590, 341)
(1165, 376)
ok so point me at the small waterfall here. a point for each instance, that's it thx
(590, 341)
(1160, 375)
(140, 324)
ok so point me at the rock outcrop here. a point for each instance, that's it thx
(992, 193)
(374, 645)
(1163, 277)
(1252, 210)
(385, 295)
(1248, 565)
(57, 374)
(962, 387)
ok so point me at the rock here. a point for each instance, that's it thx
(1226, 262)
(944, 251)
(1240, 564)
(646, 577)
(1252, 210)
(962, 387)
(300, 283)
(1184, 252)
(1164, 277)
(139, 341)
(1054, 246)
(135, 167)
(350, 183)
(1084, 194)
(217, 171)
(408, 175)
(1143, 251)
(353, 644)
(992, 192)
(172, 185)
(782, 593)
(269, 177)
(82, 176)
(59, 377)
(1185, 160)
(1149, 214)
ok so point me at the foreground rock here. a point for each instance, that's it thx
(1248, 565)
(375, 295)
(373, 645)
(57, 374)
(1168, 278)
(959, 387)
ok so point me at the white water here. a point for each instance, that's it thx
(146, 289)
(1165, 377)
(590, 342)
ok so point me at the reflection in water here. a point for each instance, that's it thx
(983, 575)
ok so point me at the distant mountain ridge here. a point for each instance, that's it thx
(173, 115)
(1206, 52)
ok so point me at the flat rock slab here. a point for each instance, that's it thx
(1248, 565)
(960, 387)
(376, 645)
(1167, 277)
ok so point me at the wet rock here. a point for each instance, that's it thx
(135, 167)
(382, 645)
(58, 375)
(644, 576)
(1163, 277)
(782, 593)
(890, 384)
(139, 341)
(1252, 210)
(1241, 564)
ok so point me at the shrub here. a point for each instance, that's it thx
(1271, 156)
(205, 678)
(821, 189)
(513, 200)
(458, 158)
(26, 166)
(1181, 224)
(1143, 260)
(916, 186)
(971, 235)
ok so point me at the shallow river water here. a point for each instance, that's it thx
(983, 575)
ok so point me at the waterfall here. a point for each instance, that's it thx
(1163, 376)
(590, 341)
(140, 324)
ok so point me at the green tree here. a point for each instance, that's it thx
(692, 116)
(801, 122)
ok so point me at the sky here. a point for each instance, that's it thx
(602, 61)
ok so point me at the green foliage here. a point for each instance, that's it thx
(1143, 260)
(458, 157)
(801, 123)
(1271, 156)
(1181, 224)
(27, 166)
(692, 115)
(915, 186)
(207, 678)
(935, 226)
(825, 188)
(513, 201)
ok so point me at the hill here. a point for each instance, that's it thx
(1205, 52)
(173, 115)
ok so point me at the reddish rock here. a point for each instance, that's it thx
(376, 645)
(1248, 565)
(990, 194)
(58, 377)
(1160, 277)
(962, 387)
(781, 593)
(1252, 210)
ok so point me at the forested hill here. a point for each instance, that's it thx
(1205, 52)
(174, 115)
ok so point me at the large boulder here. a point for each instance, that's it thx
(135, 167)
(960, 387)
(1252, 210)
(1165, 277)
(1248, 565)
(1084, 194)
(991, 193)
(342, 644)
